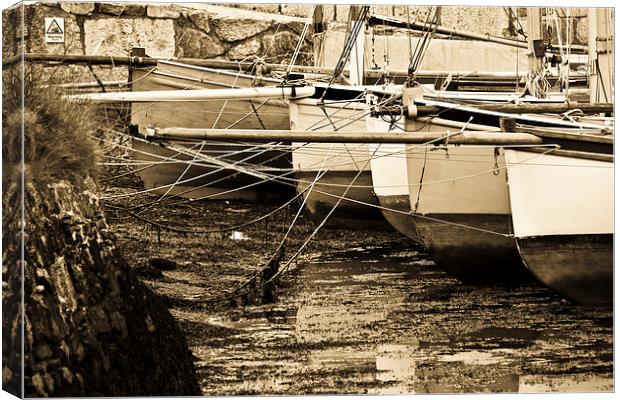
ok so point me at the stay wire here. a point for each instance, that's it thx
(282, 269)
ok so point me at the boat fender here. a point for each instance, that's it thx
(150, 132)
(412, 111)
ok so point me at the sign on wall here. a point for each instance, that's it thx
(54, 30)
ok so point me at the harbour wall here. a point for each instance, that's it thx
(230, 32)
(164, 30)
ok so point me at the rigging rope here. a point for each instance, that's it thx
(300, 42)
(422, 44)
(282, 269)
(234, 293)
(207, 231)
(360, 21)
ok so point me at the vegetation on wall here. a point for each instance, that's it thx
(57, 134)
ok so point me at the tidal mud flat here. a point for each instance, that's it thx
(361, 311)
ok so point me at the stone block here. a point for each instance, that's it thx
(200, 19)
(482, 20)
(134, 10)
(230, 29)
(195, 43)
(66, 374)
(329, 12)
(295, 10)
(77, 8)
(35, 29)
(38, 385)
(342, 13)
(44, 352)
(384, 9)
(105, 73)
(81, 73)
(10, 24)
(580, 31)
(265, 8)
(116, 36)
(297, 27)
(163, 11)
(245, 49)
(279, 48)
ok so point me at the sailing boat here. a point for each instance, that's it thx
(459, 202)
(336, 169)
(203, 178)
(349, 166)
(562, 202)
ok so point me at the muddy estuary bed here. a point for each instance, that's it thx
(361, 311)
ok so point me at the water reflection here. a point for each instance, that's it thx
(396, 368)
(395, 362)
(475, 357)
(391, 324)
(565, 383)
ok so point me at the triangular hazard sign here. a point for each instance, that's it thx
(54, 27)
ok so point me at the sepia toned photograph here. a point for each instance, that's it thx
(260, 199)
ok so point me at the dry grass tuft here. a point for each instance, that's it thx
(57, 133)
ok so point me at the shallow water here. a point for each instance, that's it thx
(386, 320)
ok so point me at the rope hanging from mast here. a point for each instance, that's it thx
(430, 27)
(356, 22)
(300, 42)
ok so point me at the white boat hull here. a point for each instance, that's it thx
(390, 183)
(339, 164)
(564, 222)
(461, 210)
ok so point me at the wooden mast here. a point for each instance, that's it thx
(317, 19)
(356, 62)
(535, 45)
(600, 54)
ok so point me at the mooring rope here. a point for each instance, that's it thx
(195, 156)
(223, 166)
(192, 189)
(217, 230)
(231, 294)
(234, 293)
(171, 159)
(281, 270)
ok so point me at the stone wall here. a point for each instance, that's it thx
(91, 328)
(483, 20)
(164, 30)
(230, 32)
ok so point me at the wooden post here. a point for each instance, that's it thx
(533, 108)
(266, 136)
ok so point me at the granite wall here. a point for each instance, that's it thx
(165, 30)
(230, 32)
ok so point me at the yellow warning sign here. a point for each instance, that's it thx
(54, 30)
